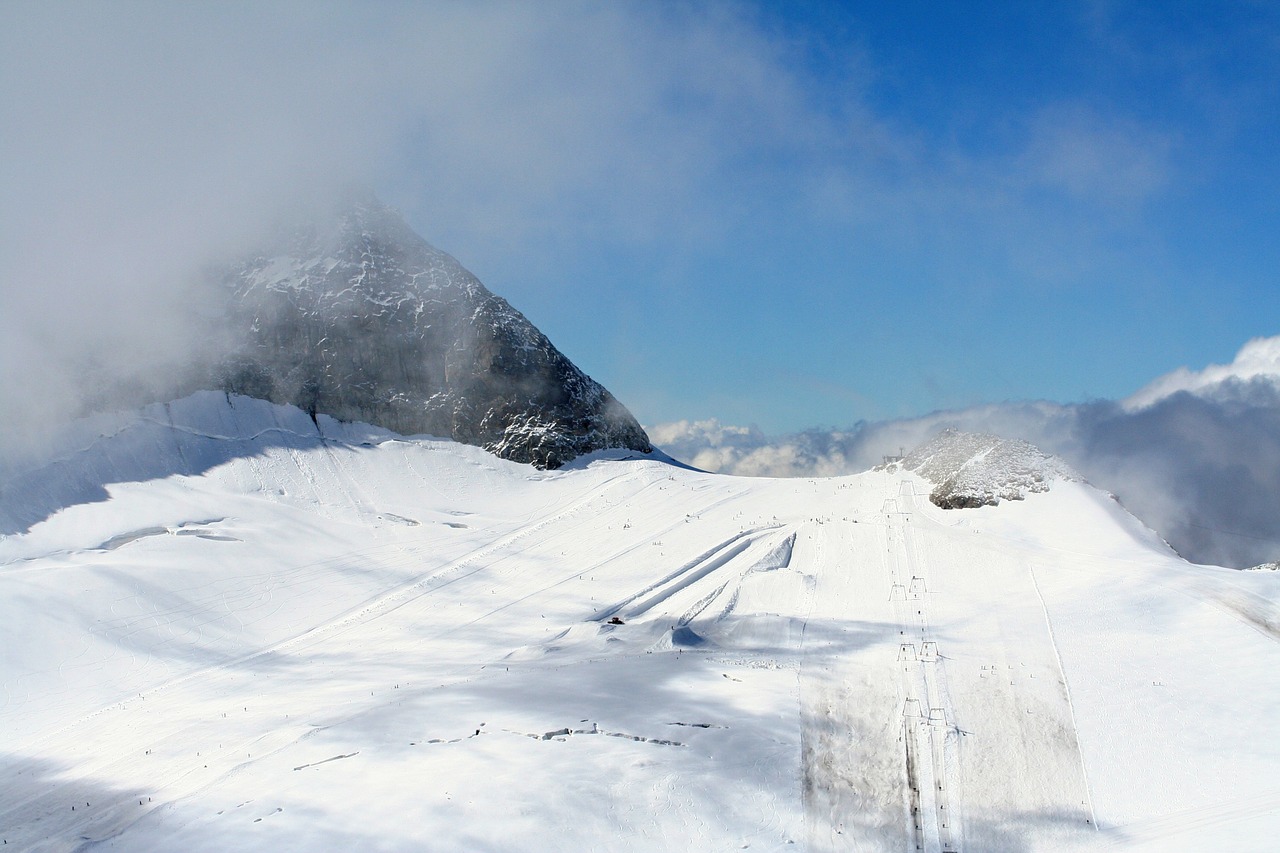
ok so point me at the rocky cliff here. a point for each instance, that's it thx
(359, 318)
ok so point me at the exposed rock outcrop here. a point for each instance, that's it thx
(362, 320)
(970, 470)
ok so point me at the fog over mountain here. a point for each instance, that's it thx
(356, 316)
(346, 311)
(1194, 454)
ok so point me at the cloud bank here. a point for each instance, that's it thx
(1195, 454)
(1258, 359)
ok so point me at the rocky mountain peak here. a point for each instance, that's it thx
(358, 317)
(970, 470)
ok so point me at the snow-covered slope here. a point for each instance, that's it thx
(316, 636)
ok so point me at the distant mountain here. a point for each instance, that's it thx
(1194, 454)
(359, 318)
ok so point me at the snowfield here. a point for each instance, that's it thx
(226, 627)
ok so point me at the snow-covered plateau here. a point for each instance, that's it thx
(226, 626)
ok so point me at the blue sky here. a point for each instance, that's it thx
(783, 214)
(949, 204)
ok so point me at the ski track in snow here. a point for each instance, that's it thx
(626, 656)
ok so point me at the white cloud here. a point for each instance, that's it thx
(1258, 359)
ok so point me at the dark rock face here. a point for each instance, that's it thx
(363, 320)
(944, 497)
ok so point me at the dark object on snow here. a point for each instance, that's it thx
(362, 320)
(616, 621)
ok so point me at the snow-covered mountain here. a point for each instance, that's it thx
(970, 470)
(357, 317)
(234, 626)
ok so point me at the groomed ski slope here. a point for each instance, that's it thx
(327, 637)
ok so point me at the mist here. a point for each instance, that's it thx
(141, 144)
(147, 141)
